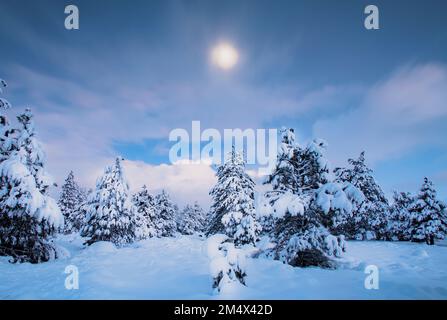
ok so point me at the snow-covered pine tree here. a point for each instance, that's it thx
(145, 214)
(305, 217)
(428, 216)
(81, 213)
(312, 168)
(185, 220)
(4, 104)
(8, 142)
(192, 219)
(201, 217)
(70, 201)
(332, 201)
(400, 217)
(32, 152)
(370, 219)
(110, 212)
(233, 209)
(177, 218)
(28, 215)
(299, 169)
(283, 177)
(165, 215)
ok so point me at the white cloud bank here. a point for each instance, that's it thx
(185, 182)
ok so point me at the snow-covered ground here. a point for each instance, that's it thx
(178, 268)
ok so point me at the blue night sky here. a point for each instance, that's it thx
(135, 70)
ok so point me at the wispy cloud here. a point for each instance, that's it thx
(404, 111)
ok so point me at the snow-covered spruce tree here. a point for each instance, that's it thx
(8, 141)
(28, 216)
(306, 217)
(110, 212)
(4, 104)
(299, 169)
(185, 221)
(70, 201)
(227, 264)
(177, 219)
(428, 216)
(370, 219)
(244, 229)
(192, 219)
(233, 209)
(80, 215)
(165, 215)
(313, 169)
(201, 217)
(332, 201)
(283, 177)
(400, 217)
(145, 214)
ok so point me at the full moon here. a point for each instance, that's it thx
(224, 56)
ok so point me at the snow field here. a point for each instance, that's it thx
(179, 268)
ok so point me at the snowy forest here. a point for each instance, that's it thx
(306, 219)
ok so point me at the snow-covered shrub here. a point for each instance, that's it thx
(100, 248)
(227, 264)
(145, 214)
(428, 216)
(303, 240)
(70, 201)
(313, 247)
(28, 215)
(110, 211)
(166, 211)
(233, 202)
